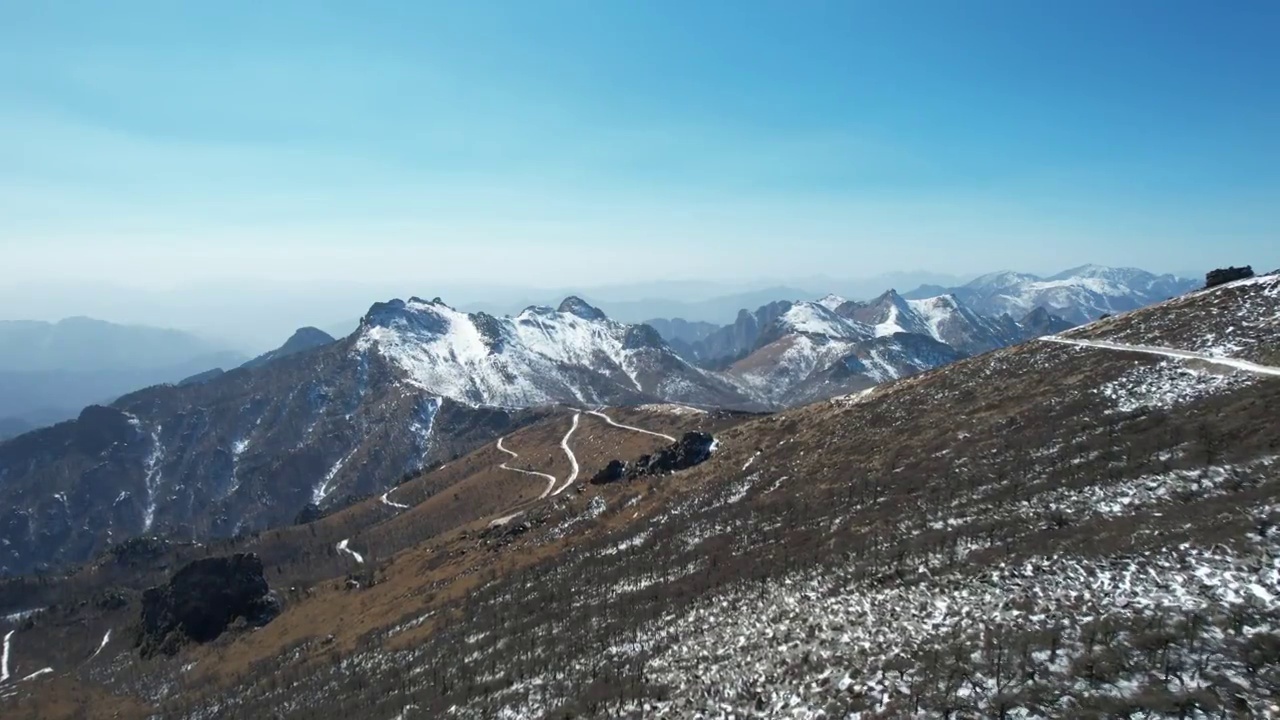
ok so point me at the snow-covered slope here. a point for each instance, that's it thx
(571, 354)
(831, 301)
(811, 351)
(1079, 295)
(816, 319)
(944, 318)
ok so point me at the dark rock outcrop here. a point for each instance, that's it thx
(1221, 276)
(577, 306)
(691, 449)
(203, 599)
(616, 470)
(308, 514)
(101, 427)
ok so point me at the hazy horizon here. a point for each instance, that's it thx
(217, 311)
(239, 160)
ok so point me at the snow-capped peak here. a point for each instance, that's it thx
(831, 301)
(573, 354)
(811, 318)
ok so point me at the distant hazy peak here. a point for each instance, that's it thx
(303, 339)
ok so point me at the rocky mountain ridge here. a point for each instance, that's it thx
(254, 447)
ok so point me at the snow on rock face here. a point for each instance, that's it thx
(831, 301)
(577, 306)
(816, 319)
(1079, 294)
(541, 356)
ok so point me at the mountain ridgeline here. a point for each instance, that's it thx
(320, 423)
(1081, 525)
(1079, 295)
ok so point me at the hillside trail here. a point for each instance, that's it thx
(573, 462)
(616, 424)
(551, 479)
(520, 508)
(573, 459)
(1168, 352)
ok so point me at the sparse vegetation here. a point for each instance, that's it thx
(1046, 530)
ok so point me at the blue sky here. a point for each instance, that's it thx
(549, 142)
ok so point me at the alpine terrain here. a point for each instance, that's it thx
(306, 429)
(1082, 524)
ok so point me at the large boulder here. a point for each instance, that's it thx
(203, 599)
(691, 449)
(1221, 276)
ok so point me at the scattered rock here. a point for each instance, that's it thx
(616, 470)
(691, 449)
(110, 600)
(144, 550)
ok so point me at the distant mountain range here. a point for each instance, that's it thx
(1079, 527)
(49, 371)
(319, 421)
(791, 352)
(1078, 295)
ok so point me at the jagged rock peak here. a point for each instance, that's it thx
(575, 305)
(422, 316)
(415, 300)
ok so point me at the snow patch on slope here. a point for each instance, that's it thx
(1167, 385)
(814, 319)
(154, 473)
(831, 301)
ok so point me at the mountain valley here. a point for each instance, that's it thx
(1078, 525)
(319, 423)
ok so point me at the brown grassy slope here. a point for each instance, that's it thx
(1239, 320)
(450, 505)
